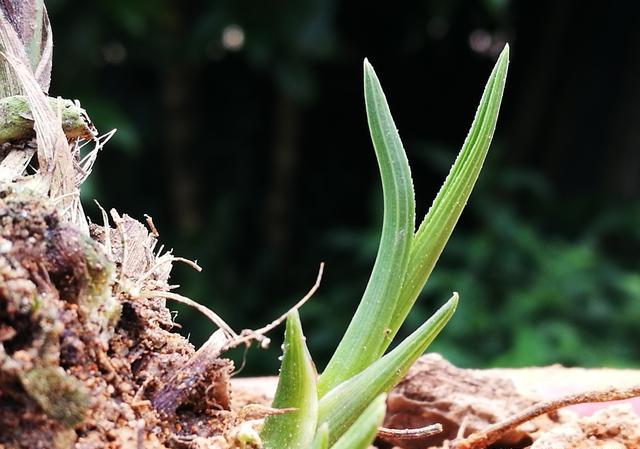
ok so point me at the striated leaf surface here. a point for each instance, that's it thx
(365, 339)
(435, 230)
(296, 389)
(362, 433)
(342, 405)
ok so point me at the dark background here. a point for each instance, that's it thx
(241, 130)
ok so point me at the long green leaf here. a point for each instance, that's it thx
(435, 230)
(364, 340)
(362, 433)
(342, 405)
(297, 389)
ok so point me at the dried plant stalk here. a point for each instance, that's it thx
(418, 434)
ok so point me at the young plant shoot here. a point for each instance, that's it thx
(344, 406)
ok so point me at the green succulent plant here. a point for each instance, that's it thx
(343, 407)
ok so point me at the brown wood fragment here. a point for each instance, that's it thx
(181, 385)
(463, 401)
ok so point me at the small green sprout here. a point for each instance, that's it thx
(343, 407)
(294, 430)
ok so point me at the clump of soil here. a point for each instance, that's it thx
(82, 358)
(615, 427)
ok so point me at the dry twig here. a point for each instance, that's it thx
(394, 435)
(176, 389)
(249, 335)
(214, 317)
(257, 411)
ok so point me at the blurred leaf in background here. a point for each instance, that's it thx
(241, 131)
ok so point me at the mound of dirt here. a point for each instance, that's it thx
(83, 359)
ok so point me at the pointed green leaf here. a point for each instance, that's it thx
(322, 437)
(364, 340)
(362, 433)
(296, 389)
(435, 230)
(341, 406)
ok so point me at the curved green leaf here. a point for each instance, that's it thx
(296, 389)
(342, 405)
(362, 433)
(435, 230)
(365, 339)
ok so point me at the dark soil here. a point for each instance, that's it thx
(81, 358)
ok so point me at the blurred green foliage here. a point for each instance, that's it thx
(532, 292)
(536, 293)
(250, 151)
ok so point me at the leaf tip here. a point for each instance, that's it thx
(453, 301)
(503, 59)
(368, 68)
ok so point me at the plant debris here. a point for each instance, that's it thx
(76, 353)
(493, 433)
(616, 427)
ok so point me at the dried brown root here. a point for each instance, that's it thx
(214, 317)
(257, 411)
(75, 349)
(248, 335)
(491, 434)
(181, 385)
(418, 434)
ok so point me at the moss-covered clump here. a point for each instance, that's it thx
(60, 396)
(50, 274)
